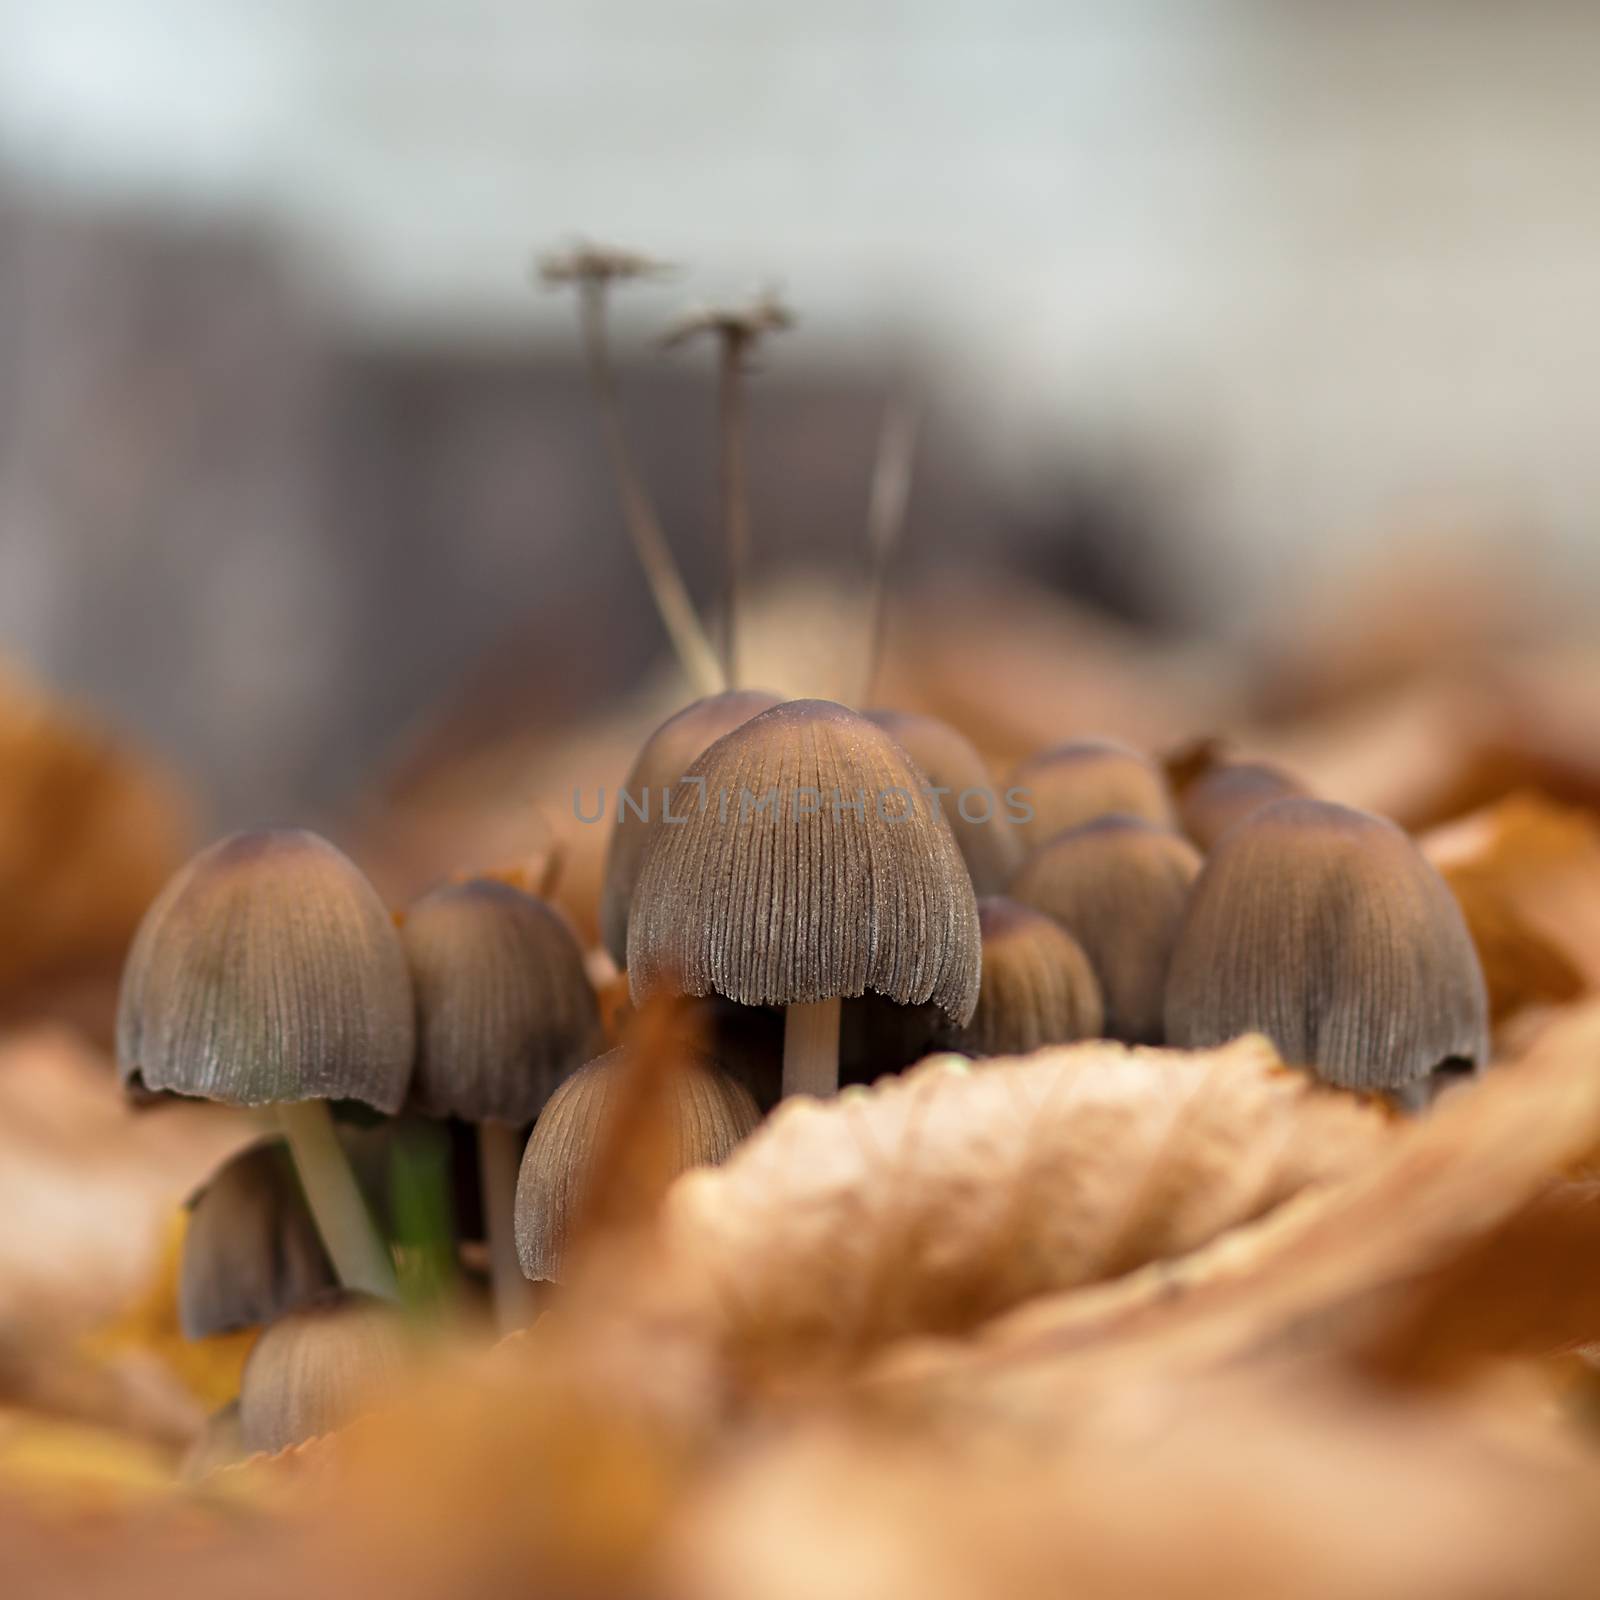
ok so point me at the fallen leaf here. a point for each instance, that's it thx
(937, 1200)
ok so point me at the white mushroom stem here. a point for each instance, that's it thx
(735, 499)
(354, 1245)
(499, 1158)
(811, 1048)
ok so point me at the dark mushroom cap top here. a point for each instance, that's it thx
(984, 830)
(1228, 793)
(663, 759)
(1327, 930)
(813, 870)
(1119, 886)
(1076, 782)
(268, 971)
(505, 1009)
(1038, 988)
(710, 1113)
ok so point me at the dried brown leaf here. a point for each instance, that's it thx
(940, 1199)
(1527, 874)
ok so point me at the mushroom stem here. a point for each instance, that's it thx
(888, 498)
(811, 1048)
(499, 1158)
(735, 497)
(649, 541)
(354, 1245)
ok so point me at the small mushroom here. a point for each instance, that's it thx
(1081, 780)
(961, 786)
(1228, 793)
(1118, 885)
(642, 802)
(505, 1012)
(251, 1251)
(1038, 985)
(317, 1368)
(269, 973)
(710, 1114)
(1326, 929)
(807, 872)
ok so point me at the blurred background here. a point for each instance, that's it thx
(1222, 312)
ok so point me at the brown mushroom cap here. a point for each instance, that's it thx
(1118, 886)
(505, 1009)
(268, 971)
(806, 898)
(1038, 985)
(1327, 930)
(314, 1369)
(991, 847)
(712, 1113)
(251, 1251)
(1081, 780)
(1228, 793)
(663, 759)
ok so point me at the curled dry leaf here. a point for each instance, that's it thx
(940, 1199)
(1527, 874)
(1343, 1270)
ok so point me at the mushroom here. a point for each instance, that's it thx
(737, 330)
(710, 1113)
(1118, 885)
(1228, 793)
(268, 973)
(505, 1012)
(1038, 986)
(643, 800)
(251, 1250)
(807, 871)
(594, 270)
(1076, 782)
(316, 1368)
(1326, 929)
(959, 783)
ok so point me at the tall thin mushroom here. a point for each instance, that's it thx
(595, 269)
(737, 330)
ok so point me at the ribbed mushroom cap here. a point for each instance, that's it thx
(313, 1370)
(1081, 780)
(1118, 886)
(1038, 986)
(663, 759)
(268, 971)
(712, 1113)
(1327, 930)
(991, 847)
(806, 898)
(505, 1009)
(251, 1251)
(1230, 792)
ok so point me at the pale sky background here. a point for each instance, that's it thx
(1336, 261)
(1325, 271)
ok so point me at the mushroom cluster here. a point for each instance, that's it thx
(829, 893)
